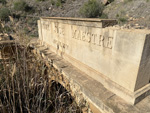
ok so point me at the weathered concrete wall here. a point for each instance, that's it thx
(117, 58)
(87, 92)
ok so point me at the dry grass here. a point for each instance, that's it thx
(25, 87)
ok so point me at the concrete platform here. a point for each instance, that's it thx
(100, 99)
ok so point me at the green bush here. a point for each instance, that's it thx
(52, 2)
(3, 1)
(40, 0)
(104, 16)
(22, 6)
(109, 1)
(122, 20)
(91, 9)
(57, 3)
(4, 13)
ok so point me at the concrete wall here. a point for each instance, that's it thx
(117, 58)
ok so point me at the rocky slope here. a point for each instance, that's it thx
(134, 11)
(128, 12)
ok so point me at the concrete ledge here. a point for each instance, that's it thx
(141, 93)
(84, 21)
(81, 19)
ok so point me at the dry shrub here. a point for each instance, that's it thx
(91, 9)
(25, 87)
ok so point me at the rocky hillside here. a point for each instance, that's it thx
(22, 15)
(134, 12)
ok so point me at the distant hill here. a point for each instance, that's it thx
(22, 15)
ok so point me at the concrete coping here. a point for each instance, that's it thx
(147, 31)
(81, 19)
(90, 22)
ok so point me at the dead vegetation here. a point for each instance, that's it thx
(25, 86)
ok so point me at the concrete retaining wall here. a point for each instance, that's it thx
(118, 58)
